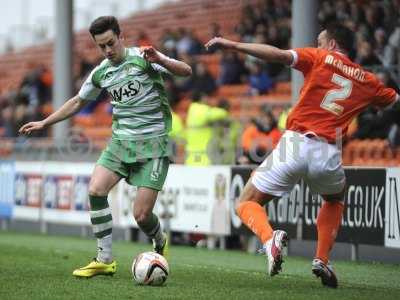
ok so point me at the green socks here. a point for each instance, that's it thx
(152, 229)
(101, 218)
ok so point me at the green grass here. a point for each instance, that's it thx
(39, 267)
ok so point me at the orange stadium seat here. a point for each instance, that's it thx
(84, 121)
(284, 88)
(103, 119)
(98, 132)
(47, 109)
(194, 14)
(232, 90)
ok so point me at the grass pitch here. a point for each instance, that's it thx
(40, 267)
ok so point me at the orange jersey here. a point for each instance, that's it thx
(335, 90)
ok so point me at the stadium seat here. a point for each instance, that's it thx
(225, 91)
(84, 121)
(96, 133)
(47, 109)
(284, 88)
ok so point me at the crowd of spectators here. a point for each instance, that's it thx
(377, 47)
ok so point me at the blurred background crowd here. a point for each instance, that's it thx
(234, 107)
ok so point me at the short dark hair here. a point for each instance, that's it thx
(343, 36)
(104, 23)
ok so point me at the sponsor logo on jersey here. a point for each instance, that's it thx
(126, 91)
(108, 75)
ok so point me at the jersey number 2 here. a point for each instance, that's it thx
(328, 103)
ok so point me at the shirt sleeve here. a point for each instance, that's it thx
(304, 58)
(216, 114)
(384, 96)
(159, 68)
(89, 91)
(154, 66)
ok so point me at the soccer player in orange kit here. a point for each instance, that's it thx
(335, 90)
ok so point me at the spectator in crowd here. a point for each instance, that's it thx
(188, 43)
(260, 137)
(7, 120)
(177, 133)
(259, 81)
(201, 82)
(85, 66)
(380, 42)
(172, 90)
(168, 43)
(387, 80)
(225, 138)
(392, 56)
(279, 39)
(199, 130)
(379, 124)
(143, 40)
(365, 55)
(394, 135)
(214, 29)
(232, 70)
(373, 17)
(36, 85)
(371, 125)
(16, 111)
(378, 33)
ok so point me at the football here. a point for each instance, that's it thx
(150, 268)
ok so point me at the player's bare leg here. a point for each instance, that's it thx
(328, 223)
(147, 220)
(252, 213)
(101, 182)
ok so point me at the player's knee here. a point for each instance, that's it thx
(96, 190)
(141, 217)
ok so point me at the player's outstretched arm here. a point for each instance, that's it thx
(176, 67)
(69, 108)
(265, 52)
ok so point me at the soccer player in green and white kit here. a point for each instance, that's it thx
(139, 148)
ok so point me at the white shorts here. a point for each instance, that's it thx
(297, 157)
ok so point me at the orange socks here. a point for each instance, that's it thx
(255, 217)
(328, 223)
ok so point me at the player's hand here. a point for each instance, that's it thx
(219, 42)
(31, 126)
(150, 54)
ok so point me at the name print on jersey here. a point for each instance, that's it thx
(126, 91)
(355, 73)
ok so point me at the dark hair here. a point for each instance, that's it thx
(104, 23)
(341, 34)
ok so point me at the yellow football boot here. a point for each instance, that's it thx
(96, 268)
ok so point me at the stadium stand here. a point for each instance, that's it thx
(252, 20)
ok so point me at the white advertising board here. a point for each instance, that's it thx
(194, 199)
(52, 192)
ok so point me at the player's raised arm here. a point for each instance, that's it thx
(176, 67)
(262, 51)
(69, 108)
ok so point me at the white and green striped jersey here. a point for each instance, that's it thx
(138, 97)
